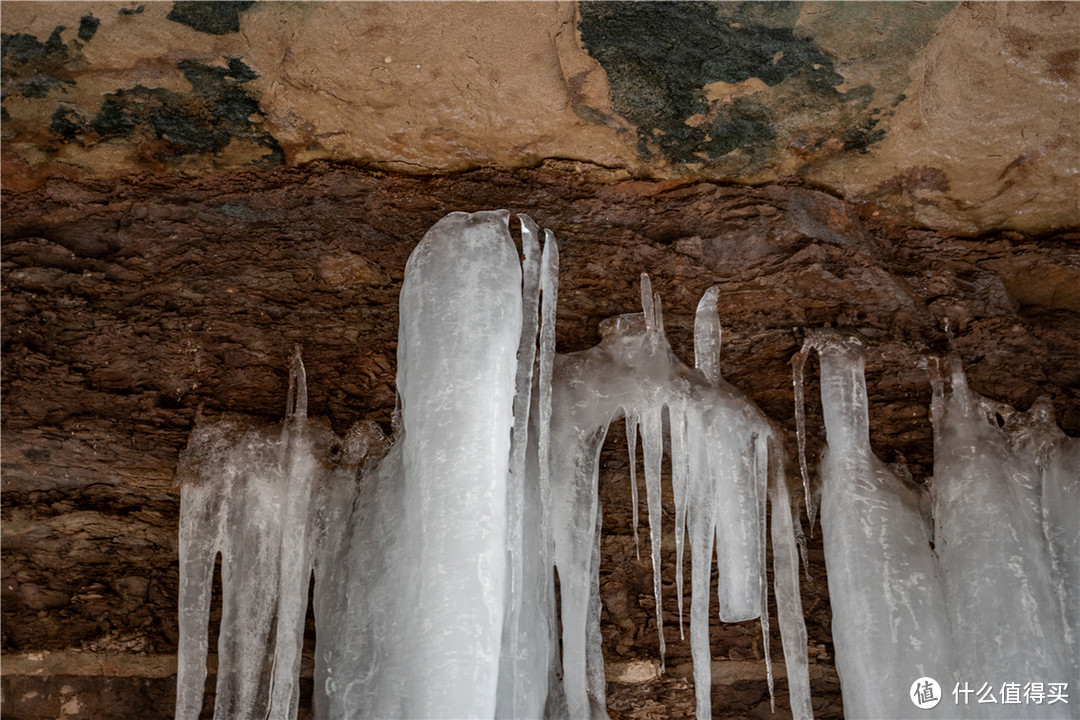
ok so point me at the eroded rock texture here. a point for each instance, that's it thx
(130, 303)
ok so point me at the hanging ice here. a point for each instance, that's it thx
(1003, 590)
(260, 498)
(890, 623)
(996, 605)
(722, 449)
(434, 566)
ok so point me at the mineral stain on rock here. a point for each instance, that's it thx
(214, 18)
(218, 111)
(660, 56)
(88, 25)
(33, 68)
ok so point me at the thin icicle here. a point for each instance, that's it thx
(786, 587)
(631, 446)
(653, 442)
(549, 288)
(680, 472)
(761, 481)
(701, 522)
(594, 659)
(798, 366)
(510, 677)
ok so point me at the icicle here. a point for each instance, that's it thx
(760, 484)
(786, 583)
(701, 522)
(799, 363)
(631, 446)
(680, 472)
(201, 527)
(653, 443)
(707, 334)
(510, 680)
(647, 299)
(594, 662)
(1058, 460)
(298, 466)
(460, 328)
(1061, 525)
(999, 579)
(549, 287)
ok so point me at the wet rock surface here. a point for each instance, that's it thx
(129, 303)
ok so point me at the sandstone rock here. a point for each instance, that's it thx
(958, 117)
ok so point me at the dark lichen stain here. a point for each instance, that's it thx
(35, 455)
(743, 123)
(659, 56)
(863, 134)
(214, 18)
(33, 68)
(88, 25)
(217, 111)
(66, 123)
(112, 119)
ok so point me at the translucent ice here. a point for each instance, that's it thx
(434, 559)
(256, 496)
(722, 449)
(890, 625)
(457, 361)
(985, 596)
(1003, 590)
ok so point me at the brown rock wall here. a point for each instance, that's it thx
(130, 302)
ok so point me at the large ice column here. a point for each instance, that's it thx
(460, 328)
(1003, 594)
(889, 617)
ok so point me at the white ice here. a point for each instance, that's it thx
(986, 595)
(1001, 584)
(890, 625)
(722, 450)
(434, 559)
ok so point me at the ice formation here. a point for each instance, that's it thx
(889, 618)
(434, 560)
(985, 590)
(999, 527)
